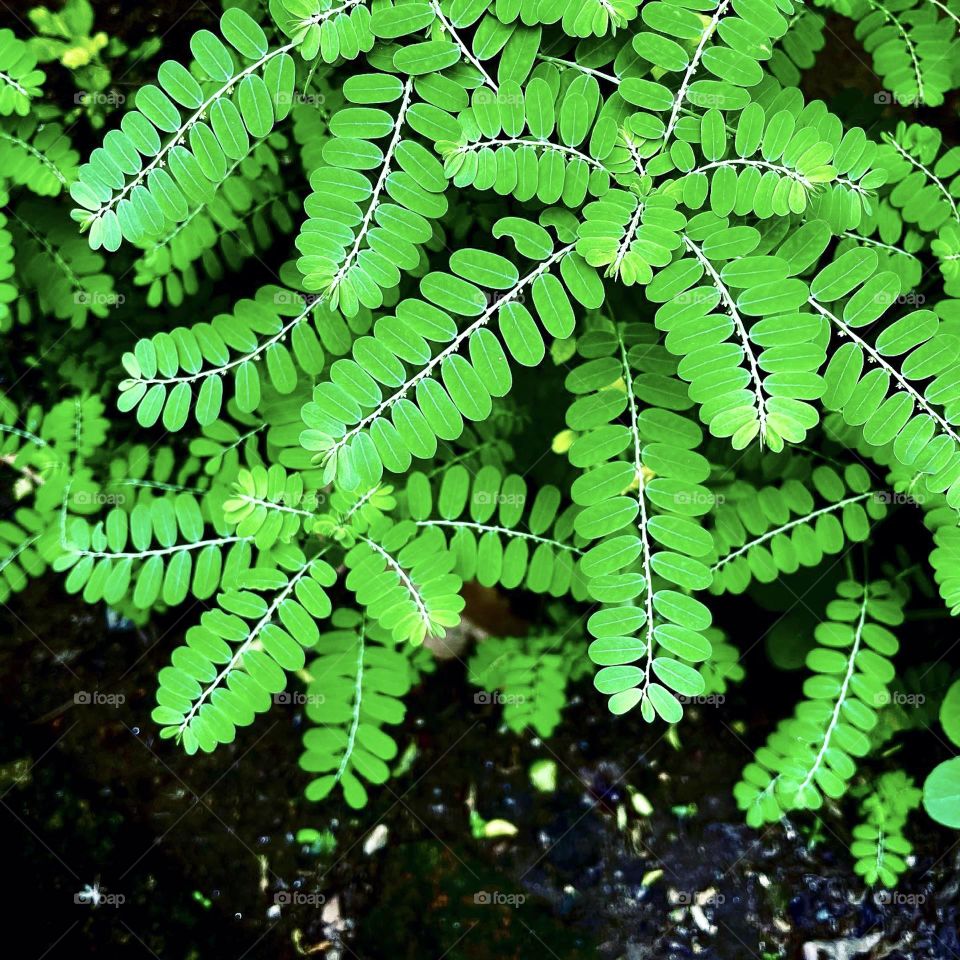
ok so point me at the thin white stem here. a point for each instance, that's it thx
(534, 142)
(377, 190)
(359, 504)
(450, 349)
(841, 696)
(850, 185)
(6, 78)
(200, 112)
(54, 254)
(42, 157)
(807, 518)
(869, 241)
(927, 172)
(573, 65)
(644, 519)
(270, 505)
(166, 551)
(763, 164)
(634, 152)
(357, 699)
(947, 11)
(284, 330)
(245, 646)
(504, 531)
(893, 371)
(23, 434)
(465, 50)
(404, 577)
(741, 333)
(172, 235)
(624, 247)
(881, 836)
(908, 43)
(160, 485)
(10, 557)
(692, 68)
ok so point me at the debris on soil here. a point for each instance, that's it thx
(616, 861)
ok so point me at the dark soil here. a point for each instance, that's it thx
(202, 857)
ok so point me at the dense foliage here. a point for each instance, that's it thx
(740, 306)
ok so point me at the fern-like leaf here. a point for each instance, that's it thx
(761, 534)
(814, 754)
(495, 538)
(137, 555)
(176, 147)
(403, 579)
(347, 423)
(237, 658)
(355, 687)
(640, 491)
(879, 847)
(20, 81)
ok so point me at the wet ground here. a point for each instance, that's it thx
(637, 853)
